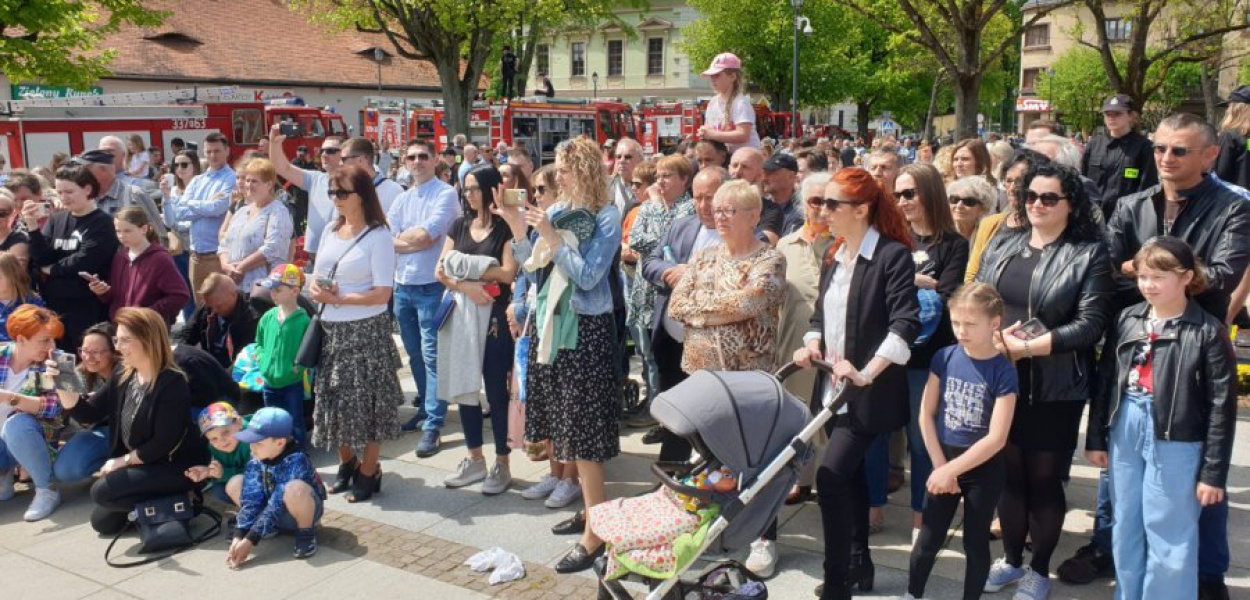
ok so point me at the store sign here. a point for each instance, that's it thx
(24, 91)
(1024, 104)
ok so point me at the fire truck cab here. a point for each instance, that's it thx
(540, 124)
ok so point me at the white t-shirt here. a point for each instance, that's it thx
(320, 207)
(138, 159)
(13, 384)
(388, 191)
(370, 264)
(740, 112)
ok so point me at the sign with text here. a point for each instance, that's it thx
(1024, 104)
(22, 91)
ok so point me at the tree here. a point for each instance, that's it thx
(1139, 66)
(455, 36)
(44, 41)
(967, 37)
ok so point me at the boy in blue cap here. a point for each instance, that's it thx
(281, 490)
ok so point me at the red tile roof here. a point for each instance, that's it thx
(257, 42)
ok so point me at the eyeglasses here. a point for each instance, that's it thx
(1010, 183)
(637, 184)
(122, 341)
(351, 156)
(816, 202)
(85, 353)
(1049, 199)
(834, 203)
(341, 193)
(968, 201)
(417, 156)
(908, 194)
(180, 164)
(330, 151)
(625, 157)
(1177, 151)
(727, 212)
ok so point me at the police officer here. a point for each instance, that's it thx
(1120, 162)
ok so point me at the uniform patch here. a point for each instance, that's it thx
(1130, 173)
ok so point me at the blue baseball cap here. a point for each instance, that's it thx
(268, 422)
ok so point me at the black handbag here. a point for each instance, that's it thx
(309, 353)
(164, 526)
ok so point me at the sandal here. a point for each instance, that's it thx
(365, 486)
(348, 471)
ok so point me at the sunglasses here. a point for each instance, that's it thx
(1049, 199)
(816, 202)
(351, 156)
(418, 156)
(637, 184)
(908, 194)
(968, 201)
(1177, 151)
(832, 204)
(341, 193)
(179, 164)
(4, 214)
(330, 151)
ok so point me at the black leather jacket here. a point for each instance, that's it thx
(1195, 399)
(1070, 293)
(1215, 222)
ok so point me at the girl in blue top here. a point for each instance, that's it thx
(965, 416)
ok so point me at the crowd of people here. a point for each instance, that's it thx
(979, 300)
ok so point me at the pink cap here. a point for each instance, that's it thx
(727, 60)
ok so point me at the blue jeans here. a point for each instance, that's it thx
(1213, 541)
(921, 464)
(496, 365)
(650, 372)
(287, 523)
(877, 470)
(183, 263)
(415, 306)
(290, 399)
(1104, 517)
(21, 439)
(82, 455)
(1155, 531)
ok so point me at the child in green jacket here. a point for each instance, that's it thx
(278, 338)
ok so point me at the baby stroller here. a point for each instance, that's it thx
(744, 423)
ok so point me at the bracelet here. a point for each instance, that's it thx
(1028, 352)
(864, 373)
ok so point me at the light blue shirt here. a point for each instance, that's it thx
(587, 267)
(204, 204)
(432, 206)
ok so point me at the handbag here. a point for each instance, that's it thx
(164, 526)
(309, 354)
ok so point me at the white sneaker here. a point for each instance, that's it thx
(763, 558)
(542, 489)
(498, 480)
(6, 485)
(468, 472)
(46, 500)
(566, 492)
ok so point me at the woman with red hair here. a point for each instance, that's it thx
(866, 317)
(29, 407)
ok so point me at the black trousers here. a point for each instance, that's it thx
(842, 489)
(117, 493)
(979, 490)
(667, 353)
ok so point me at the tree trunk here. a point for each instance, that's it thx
(863, 114)
(932, 112)
(1210, 83)
(456, 98)
(967, 90)
(529, 43)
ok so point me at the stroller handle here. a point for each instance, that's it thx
(791, 368)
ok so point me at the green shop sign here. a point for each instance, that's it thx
(23, 91)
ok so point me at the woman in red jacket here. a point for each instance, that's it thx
(144, 274)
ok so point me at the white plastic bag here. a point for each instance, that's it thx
(507, 566)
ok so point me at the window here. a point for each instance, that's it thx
(655, 56)
(544, 60)
(1037, 35)
(577, 67)
(1119, 30)
(616, 58)
(248, 126)
(1028, 81)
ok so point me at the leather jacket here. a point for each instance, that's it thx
(1214, 221)
(1195, 399)
(1071, 294)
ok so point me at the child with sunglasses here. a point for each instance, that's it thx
(1163, 421)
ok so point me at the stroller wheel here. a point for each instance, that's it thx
(631, 394)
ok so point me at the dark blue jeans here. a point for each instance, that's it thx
(1103, 519)
(183, 263)
(415, 306)
(290, 399)
(496, 367)
(1213, 542)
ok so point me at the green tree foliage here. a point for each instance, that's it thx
(54, 41)
(1081, 84)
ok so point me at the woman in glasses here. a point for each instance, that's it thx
(86, 450)
(866, 317)
(1054, 276)
(971, 198)
(941, 256)
(1007, 221)
(186, 165)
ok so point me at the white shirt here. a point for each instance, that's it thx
(836, 300)
(706, 237)
(13, 384)
(320, 207)
(370, 264)
(740, 112)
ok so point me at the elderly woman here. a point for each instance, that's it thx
(258, 234)
(866, 317)
(357, 385)
(971, 198)
(1054, 276)
(29, 407)
(572, 390)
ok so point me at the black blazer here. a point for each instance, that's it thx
(162, 432)
(882, 301)
(680, 238)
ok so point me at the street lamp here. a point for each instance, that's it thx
(801, 24)
(594, 78)
(1050, 94)
(379, 55)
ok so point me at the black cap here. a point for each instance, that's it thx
(1119, 102)
(449, 151)
(95, 157)
(1241, 94)
(781, 161)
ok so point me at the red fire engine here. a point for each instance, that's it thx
(542, 123)
(666, 124)
(32, 130)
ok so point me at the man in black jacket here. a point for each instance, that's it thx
(1119, 162)
(224, 324)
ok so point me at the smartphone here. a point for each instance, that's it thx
(515, 198)
(288, 128)
(1032, 329)
(325, 282)
(43, 209)
(492, 290)
(88, 276)
(68, 378)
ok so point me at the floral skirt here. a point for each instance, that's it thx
(575, 400)
(357, 384)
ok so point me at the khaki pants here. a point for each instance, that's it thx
(202, 265)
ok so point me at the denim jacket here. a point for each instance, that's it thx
(588, 266)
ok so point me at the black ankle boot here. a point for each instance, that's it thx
(861, 573)
(343, 480)
(365, 486)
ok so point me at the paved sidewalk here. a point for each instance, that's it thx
(414, 537)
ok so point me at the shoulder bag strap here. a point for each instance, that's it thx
(335, 268)
(208, 534)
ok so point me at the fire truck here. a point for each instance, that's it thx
(542, 123)
(32, 130)
(666, 124)
(389, 123)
